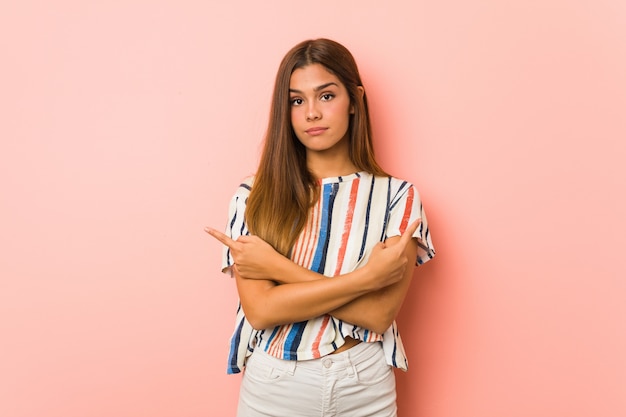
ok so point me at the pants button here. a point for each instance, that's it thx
(327, 363)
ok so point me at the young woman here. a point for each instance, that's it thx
(322, 244)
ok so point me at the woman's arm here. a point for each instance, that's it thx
(268, 304)
(376, 310)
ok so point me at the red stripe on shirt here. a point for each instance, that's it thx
(318, 337)
(407, 210)
(347, 225)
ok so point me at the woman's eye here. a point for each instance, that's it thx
(296, 101)
(327, 96)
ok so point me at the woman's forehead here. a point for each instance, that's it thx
(312, 76)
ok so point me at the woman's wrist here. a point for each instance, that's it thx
(280, 269)
(286, 271)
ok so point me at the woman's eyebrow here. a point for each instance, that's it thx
(316, 89)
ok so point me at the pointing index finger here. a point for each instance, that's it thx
(408, 233)
(220, 236)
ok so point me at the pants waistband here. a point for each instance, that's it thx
(335, 362)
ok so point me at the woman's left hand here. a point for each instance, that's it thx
(252, 255)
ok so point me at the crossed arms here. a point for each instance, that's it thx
(275, 290)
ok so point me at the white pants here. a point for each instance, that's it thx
(356, 382)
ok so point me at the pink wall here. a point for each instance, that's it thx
(125, 127)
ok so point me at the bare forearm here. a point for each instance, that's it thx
(369, 311)
(267, 304)
(285, 271)
(376, 310)
(303, 294)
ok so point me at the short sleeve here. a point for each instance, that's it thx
(243, 339)
(236, 225)
(406, 207)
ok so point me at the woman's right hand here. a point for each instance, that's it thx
(387, 262)
(254, 258)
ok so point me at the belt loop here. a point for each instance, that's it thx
(290, 367)
(350, 366)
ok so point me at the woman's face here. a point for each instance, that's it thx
(320, 111)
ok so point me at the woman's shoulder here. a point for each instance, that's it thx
(247, 183)
(244, 187)
(394, 182)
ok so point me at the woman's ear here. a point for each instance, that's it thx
(360, 94)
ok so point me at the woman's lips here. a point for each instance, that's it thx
(314, 131)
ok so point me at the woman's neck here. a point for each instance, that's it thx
(330, 167)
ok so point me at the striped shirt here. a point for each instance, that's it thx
(352, 215)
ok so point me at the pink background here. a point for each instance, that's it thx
(125, 127)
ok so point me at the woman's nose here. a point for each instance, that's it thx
(313, 113)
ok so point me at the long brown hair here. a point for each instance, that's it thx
(284, 189)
